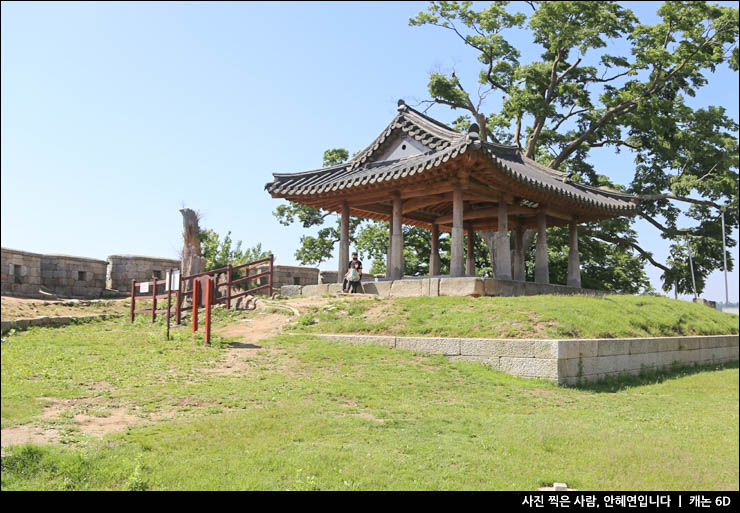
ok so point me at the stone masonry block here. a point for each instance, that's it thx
(405, 288)
(381, 288)
(491, 361)
(434, 287)
(690, 343)
(315, 290)
(613, 347)
(467, 286)
(429, 345)
(480, 347)
(388, 341)
(530, 367)
(578, 348)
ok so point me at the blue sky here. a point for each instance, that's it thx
(115, 115)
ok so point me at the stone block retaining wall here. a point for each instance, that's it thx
(73, 276)
(569, 361)
(289, 275)
(124, 268)
(446, 286)
(328, 277)
(20, 272)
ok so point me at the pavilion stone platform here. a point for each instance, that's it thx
(442, 286)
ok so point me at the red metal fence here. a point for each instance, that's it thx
(199, 285)
(186, 286)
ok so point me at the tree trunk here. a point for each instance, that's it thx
(490, 240)
(192, 261)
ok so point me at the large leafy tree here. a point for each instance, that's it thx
(220, 253)
(579, 95)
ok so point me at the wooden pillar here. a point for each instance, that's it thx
(470, 255)
(344, 243)
(541, 265)
(434, 256)
(397, 239)
(519, 271)
(574, 261)
(503, 255)
(457, 266)
(389, 258)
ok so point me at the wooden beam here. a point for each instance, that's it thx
(555, 213)
(492, 213)
(424, 201)
(380, 209)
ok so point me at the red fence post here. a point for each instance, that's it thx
(178, 305)
(133, 298)
(228, 287)
(169, 300)
(269, 279)
(209, 300)
(196, 303)
(154, 300)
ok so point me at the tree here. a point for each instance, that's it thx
(578, 96)
(218, 253)
(314, 250)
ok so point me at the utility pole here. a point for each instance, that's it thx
(691, 265)
(724, 253)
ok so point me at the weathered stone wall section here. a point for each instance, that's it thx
(124, 268)
(292, 275)
(73, 276)
(569, 361)
(326, 277)
(595, 360)
(447, 286)
(289, 275)
(20, 272)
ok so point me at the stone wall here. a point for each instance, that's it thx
(73, 276)
(124, 268)
(446, 286)
(20, 273)
(570, 361)
(328, 276)
(288, 275)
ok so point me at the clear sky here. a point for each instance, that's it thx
(115, 115)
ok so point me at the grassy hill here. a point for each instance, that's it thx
(303, 413)
(609, 316)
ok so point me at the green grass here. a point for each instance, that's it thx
(313, 414)
(609, 316)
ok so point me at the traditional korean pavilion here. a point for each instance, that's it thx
(419, 171)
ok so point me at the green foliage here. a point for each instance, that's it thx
(219, 253)
(335, 156)
(580, 95)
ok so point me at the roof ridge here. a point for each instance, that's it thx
(306, 173)
(432, 120)
(543, 167)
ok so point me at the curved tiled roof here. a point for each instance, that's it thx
(429, 132)
(446, 144)
(533, 174)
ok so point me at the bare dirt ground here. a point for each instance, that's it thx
(94, 417)
(22, 308)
